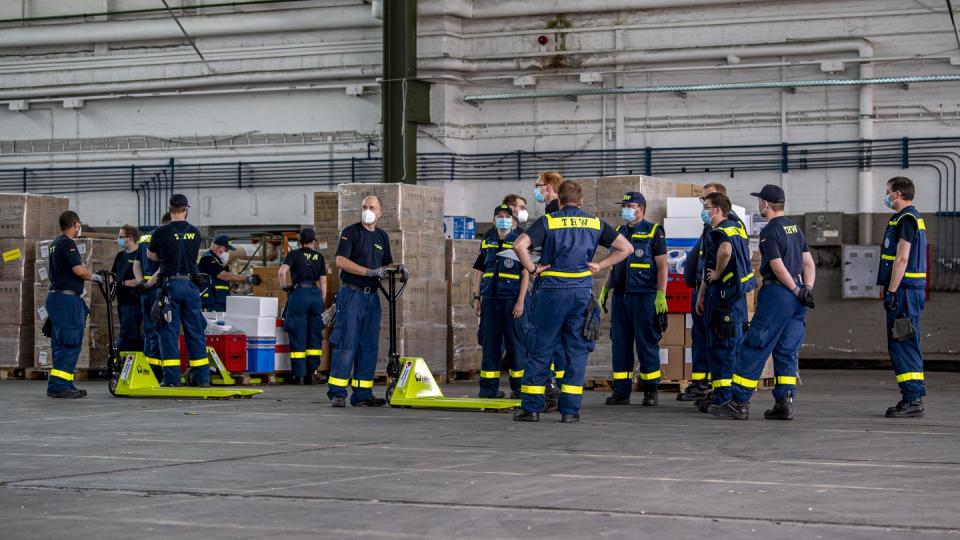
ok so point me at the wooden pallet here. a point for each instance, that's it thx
(10, 373)
(470, 375)
(82, 374)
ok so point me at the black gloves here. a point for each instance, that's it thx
(890, 301)
(404, 275)
(806, 297)
(254, 280)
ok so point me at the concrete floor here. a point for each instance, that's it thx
(286, 465)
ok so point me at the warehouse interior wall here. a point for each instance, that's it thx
(298, 80)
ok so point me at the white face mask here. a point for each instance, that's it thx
(522, 215)
(368, 217)
(79, 230)
(225, 256)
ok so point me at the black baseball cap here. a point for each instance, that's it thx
(224, 241)
(307, 234)
(771, 193)
(633, 197)
(502, 208)
(179, 200)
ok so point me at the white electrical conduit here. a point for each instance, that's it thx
(335, 18)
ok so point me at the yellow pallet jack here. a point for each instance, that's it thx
(411, 382)
(133, 376)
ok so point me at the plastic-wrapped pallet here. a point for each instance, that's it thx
(463, 351)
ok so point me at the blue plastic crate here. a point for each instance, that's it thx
(261, 355)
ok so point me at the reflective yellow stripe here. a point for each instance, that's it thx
(516, 373)
(909, 376)
(734, 231)
(334, 381)
(145, 238)
(643, 236)
(296, 355)
(489, 374)
(314, 352)
(783, 379)
(508, 244)
(486, 245)
(200, 362)
(552, 273)
(559, 374)
(504, 276)
(61, 374)
(698, 376)
(639, 265)
(153, 361)
(170, 362)
(573, 222)
(622, 375)
(745, 382)
(746, 278)
(650, 376)
(147, 278)
(888, 257)
(571, 389)
(727, 277)
(539, 390)
(916, 275)
(222, 287)
(362, 384)
(921, 225)
(720, 383)
(552, 367)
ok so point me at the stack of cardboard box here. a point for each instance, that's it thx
(413, 219)
(463, 351)
(23, 220)
(96, 254)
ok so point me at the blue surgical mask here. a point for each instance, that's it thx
(628, 214)
(504, 223)
(705, 216)
(538, 195)
(888, 201)
(121, 242)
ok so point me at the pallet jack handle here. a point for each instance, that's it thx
(108, 288)
(392, 294)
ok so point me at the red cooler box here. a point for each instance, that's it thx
(231, 348)
(678, 294)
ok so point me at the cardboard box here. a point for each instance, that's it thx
(31, 216)
(671, 363)
(16, 345)
(689, 190)
(19, 259)
(269, 286)
(673, 337)
(405, 206)
(16, 297)
(687, 363)
(688, 329)
(683, 227)
(459, 273)
(325, 211)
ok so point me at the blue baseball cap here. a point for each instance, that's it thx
(223, 241)
(771, 193)
(179, 200)
(633, 197)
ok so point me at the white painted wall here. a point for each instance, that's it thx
(260, 90)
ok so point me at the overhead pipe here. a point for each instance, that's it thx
(485, 9)
(198, 26)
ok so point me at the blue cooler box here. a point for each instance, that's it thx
(261, 353)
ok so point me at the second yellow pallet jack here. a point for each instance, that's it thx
(132, 376)
(411, 382)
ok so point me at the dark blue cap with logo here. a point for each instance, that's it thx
(502, 208)
(771, 193)
(223, 241)
(179, 200)
(633, 197)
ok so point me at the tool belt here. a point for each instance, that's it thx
(364, 290)
(307, 285)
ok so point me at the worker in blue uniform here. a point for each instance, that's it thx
(175, 247)
(639, 289)
(699, 390)
(903, 274)
(546, 191)
(128, 302)
(563, 308)
(213, 263)
(777, 328)
(66, 309)
(303, 275)
(721, 299)
(363, 255)
(145, 271)
(501, 291)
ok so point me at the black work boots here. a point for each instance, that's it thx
(650, 398)
(69, 393)
(694, 391)
(617, 399)
(526, 416)
(906, 409)
(782, 409)
(730, 409)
